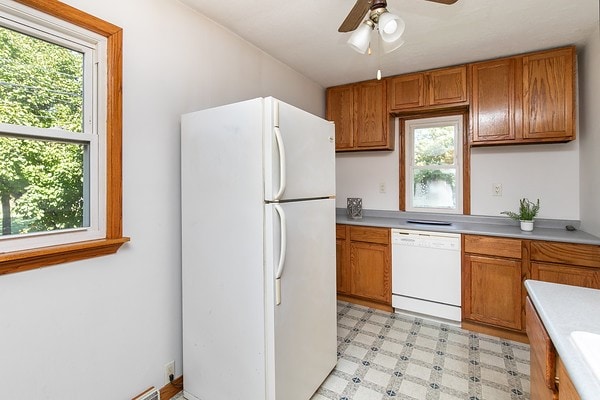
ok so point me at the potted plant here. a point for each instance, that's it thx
(527, 212)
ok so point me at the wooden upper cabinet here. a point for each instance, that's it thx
(448, 86)
(340, 110)
(524, 99)
(528, 98)
(548, 95)
(371, 115)
(359, 112)
(493, 101)
(431, 89)
(407, 91)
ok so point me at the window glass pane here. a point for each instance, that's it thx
(434, 146)
(41, 185)
(41, 83)
(434, 188)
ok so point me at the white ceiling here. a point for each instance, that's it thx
(303, 33)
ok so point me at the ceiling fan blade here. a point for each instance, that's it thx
(355, 16)
(444, 1)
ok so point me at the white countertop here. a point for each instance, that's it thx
(566, 309)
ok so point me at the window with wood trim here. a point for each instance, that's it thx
(60, 135)
(433, 164)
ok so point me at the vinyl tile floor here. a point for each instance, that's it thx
(384, 355)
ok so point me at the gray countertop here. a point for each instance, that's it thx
(564, 309)
(545, 229)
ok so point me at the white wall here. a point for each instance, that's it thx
(104, 328)
(361, 175)
(547, 172)
(589, 92)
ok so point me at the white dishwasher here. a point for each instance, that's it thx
(426, 273)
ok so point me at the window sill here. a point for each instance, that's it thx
(42, 257)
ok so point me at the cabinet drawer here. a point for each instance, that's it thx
(370, 235)
(340, 231)
(566, 274)
(566, 253)
(493, 246)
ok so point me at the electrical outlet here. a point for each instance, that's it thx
(497, 189)
(382, 187)
(169, 370)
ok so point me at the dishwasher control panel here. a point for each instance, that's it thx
(436, 240)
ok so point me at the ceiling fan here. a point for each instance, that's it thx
(390, 26)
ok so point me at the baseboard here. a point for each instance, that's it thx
(499, 332)
(366, 303)
(171, 389)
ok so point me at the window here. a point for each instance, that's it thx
(433, 164)
(60, 135)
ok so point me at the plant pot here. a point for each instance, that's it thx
(527, 226)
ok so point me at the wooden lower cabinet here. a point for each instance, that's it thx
(342, 261)
(364, 266)
(542, 371)
(370, 271)
(492, 290)
(566, 274)
(492, 285)
(494, 269)
(548, 377)
(566, 389)
(566, 263)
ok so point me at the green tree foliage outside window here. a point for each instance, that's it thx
(41, 180)
(433, 146)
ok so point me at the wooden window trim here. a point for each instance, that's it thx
(17, 261)
(466, 156)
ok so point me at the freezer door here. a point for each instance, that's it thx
(299, 153)
(301, 331)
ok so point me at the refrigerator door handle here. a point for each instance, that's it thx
(281, 263)
(281, 148)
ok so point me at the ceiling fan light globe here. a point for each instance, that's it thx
(360, 38)
(391, 27)
(388, 47)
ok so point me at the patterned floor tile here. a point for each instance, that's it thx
(386, 356)
(395, 356)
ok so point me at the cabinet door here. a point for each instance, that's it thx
(407, 92)
(447, 86)
(492, 291)
(340, 110)
(548, 95)
(567, 390)
(371, 115)
(493, 101)
(542, 370)
(342, 265)
(370, 271)
(566, 274)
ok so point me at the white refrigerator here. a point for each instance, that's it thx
(258, 252)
